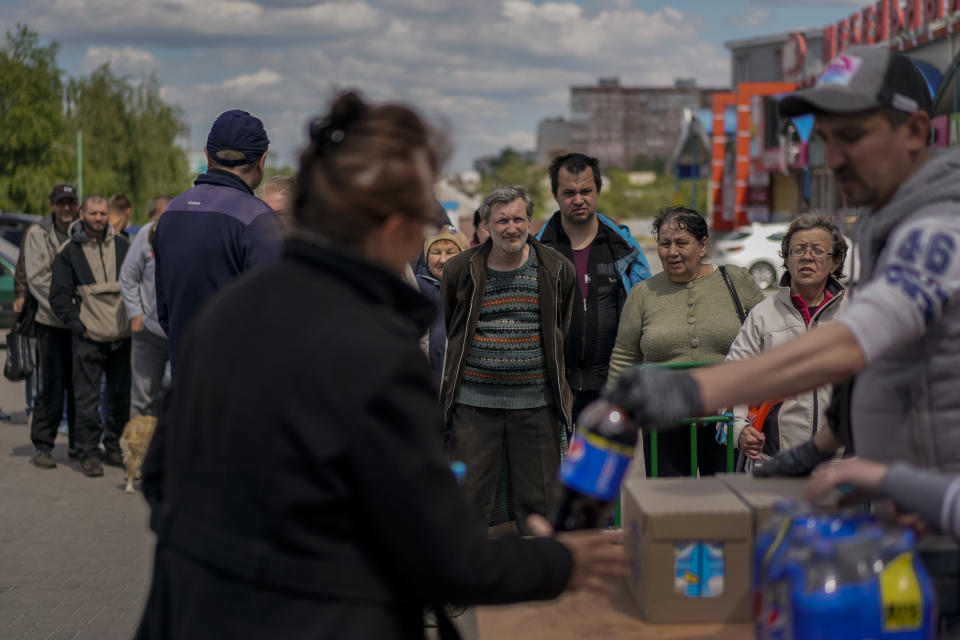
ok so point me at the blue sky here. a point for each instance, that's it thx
(486, 71)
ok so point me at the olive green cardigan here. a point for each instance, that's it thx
(666, 321)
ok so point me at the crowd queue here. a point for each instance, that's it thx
(299, 475)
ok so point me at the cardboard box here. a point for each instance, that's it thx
(690, 542)
(759, 494)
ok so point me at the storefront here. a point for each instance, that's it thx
(797, 178)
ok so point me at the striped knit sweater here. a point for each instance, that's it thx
(505, 367)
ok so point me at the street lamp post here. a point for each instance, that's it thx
(80, 164)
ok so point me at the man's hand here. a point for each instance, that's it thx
(796, 462)
(598, 556)
(860, 474)
(656, 398)
(136, 323)
(18, 304)
(751, 442)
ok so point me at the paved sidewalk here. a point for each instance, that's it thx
(75, 552)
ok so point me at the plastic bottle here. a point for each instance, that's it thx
(773, 533)
(907, 601)
(826, 603)
(459, 470)
(781, 555)
(596, 463)
(784, 568)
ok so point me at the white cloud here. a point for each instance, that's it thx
(253, 81)
(821, 3)
(123, 60)
(755, 17)
(519, 140)
(549, 12)
(424, 6)
(190, 21)
(489, 69)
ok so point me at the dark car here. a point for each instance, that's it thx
(8, 262)
(14, 225)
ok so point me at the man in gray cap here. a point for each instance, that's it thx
(900, 335)
(54, 340)
(211, 233)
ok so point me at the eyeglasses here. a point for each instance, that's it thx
(816, 252)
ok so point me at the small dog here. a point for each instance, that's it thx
(133, 444)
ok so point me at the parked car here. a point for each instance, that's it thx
(756, 248)
(14, 225)
(8, 262)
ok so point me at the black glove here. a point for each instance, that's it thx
(796, 462)
(656, 398)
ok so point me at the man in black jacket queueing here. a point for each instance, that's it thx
(85, 294)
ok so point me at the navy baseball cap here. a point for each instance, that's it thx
(863, 78)
(238, 131)
(63, 190)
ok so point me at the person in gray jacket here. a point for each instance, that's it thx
(85, 295)
(54, 342)
(900, 335)
(150, 349)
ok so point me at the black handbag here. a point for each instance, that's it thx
(19, 358)
(21, 349)
(741, 462)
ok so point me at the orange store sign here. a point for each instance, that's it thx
(883, 21)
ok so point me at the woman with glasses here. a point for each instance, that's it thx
(813, 252)
(297, 484)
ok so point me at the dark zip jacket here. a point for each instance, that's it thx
(208, 236)
(461, 296)
(616, 264)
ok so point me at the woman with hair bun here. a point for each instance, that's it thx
(297, 485)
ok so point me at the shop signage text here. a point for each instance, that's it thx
(882, 21)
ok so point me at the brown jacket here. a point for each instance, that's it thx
(461, 294)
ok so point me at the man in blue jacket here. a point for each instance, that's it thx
(609, 262)
(212, 233)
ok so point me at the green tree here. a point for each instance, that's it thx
(129, 137)
(621, 199)
(649, 163)
(270, 171)
(31, 122)
(509, 168)
(158, 165)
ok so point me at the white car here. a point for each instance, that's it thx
(756, 248)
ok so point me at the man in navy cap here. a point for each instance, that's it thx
(215, 231)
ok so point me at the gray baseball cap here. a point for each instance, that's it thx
(862, 78)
